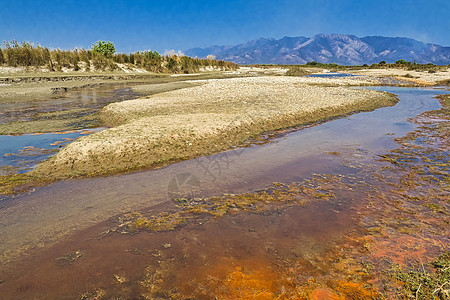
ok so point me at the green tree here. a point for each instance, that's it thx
(107, 49)
(152, 55)
(2, 59)
(402, 62)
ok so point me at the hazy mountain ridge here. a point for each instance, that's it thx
(328, 48)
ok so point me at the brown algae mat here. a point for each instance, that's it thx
(201, 120)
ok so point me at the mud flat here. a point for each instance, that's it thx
(204, 119)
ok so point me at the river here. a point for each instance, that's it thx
(50, 213)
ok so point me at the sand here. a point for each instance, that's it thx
(207, 118)
(415, 77)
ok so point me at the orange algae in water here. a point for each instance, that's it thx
(325, 294)
(258, 284)
(353, 290)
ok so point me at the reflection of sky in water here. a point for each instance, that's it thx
(90, 98)
(25, 151)
(332, 75)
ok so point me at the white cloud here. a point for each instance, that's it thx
(172, 52)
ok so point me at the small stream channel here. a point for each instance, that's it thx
(333, 75)
(92, 98)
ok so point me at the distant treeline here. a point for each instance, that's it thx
(298, 70)
(26, 54)
(401, 63)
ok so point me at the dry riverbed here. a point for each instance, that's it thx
(204, 119)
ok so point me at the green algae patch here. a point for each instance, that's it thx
(163, 222)
(9, 183)
(200, 210)
(53, 122)
(16, 183)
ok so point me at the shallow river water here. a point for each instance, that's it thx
(49, 213)
(92, 98)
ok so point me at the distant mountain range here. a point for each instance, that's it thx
(328, 48)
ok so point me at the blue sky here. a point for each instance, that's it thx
(139, 25)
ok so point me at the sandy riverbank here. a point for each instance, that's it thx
(417, 77)
(204, 119)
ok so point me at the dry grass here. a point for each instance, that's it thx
(200, 120)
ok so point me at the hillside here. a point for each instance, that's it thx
(328, 48)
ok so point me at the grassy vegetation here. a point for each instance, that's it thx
(297, 70)
(420, 283)
(431, 68)
(26, 54)
(382, 65)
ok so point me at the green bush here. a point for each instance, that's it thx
(172, 64)
(107, 49)
(152, 55)
(402, 62)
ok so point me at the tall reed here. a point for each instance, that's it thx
(27, 54)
